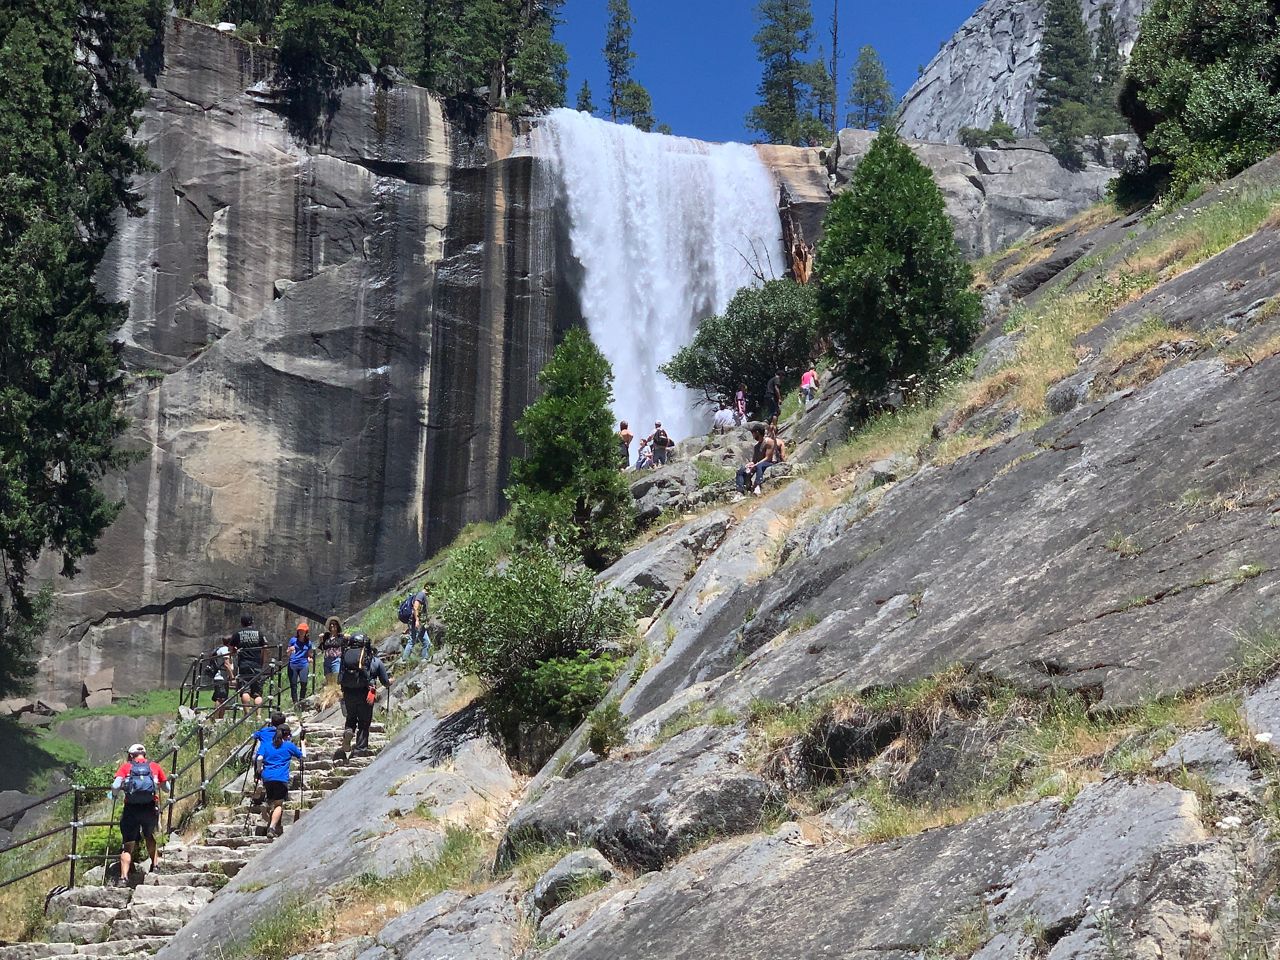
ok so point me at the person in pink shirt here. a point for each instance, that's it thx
(740, 403)
(808, 385)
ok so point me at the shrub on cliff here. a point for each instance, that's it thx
(533, 629)
(567, 490)
(764, 329)
(1203, 87)
(892, 287)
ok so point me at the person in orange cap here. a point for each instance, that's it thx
(301, 658)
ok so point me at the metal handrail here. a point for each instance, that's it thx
(272, 689)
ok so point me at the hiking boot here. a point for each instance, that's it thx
(121, 882)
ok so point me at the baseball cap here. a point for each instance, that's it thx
(136, 749)
(303, 628)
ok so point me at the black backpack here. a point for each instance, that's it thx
(660, 439)
(354, 674)
(140, 784)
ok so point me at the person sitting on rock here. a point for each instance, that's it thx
(762, 458)
(643, 460)
(278, 755)
(139, 781)
(724, 421)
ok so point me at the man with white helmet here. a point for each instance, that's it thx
(224, 672)
(139, 781)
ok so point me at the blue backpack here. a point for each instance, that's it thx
(406, 609)
(140, 784)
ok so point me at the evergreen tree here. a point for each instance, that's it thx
(834, 71)
(585, 103)
(1107, 71)
(893, 287)
(568, 488)
(787, 112)
(539, 67)
(635, 107)
(823, 85)
(871, 96)
(618, 55)
(1000, 128)
(1065, 85)
(66, 161)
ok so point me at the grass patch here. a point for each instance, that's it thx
(1125, 547)
(711, 474)
(693, 716)
(152, 703)
(461, 864)
(286, 930)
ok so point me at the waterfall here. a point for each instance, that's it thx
(666, 231)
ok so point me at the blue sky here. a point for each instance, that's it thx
(698, 61)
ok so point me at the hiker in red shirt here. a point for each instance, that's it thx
(139, 781)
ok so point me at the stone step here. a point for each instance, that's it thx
(36, 951)
(116, 897)
(90, 931)
(140, 946)
(210, 881)
(146, 927)
(167, 901)
(241, 843)
(81, 914)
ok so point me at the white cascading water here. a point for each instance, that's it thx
(666, 230)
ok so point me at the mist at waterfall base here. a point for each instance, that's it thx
(666, 230)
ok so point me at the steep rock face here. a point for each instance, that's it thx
(330, 344)
(991, 63)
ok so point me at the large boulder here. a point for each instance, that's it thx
(649, 575)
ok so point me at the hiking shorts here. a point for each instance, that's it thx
(251, 685)
(138, 821)
(277, 790)
(220, 691)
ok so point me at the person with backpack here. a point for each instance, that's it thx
(301, 659)
(278, 754)
(264, 735)
(660, 442)
(251, 660)
(413, 614)
(138, 781)
(224, 673)
(361, 671)
(331, 650)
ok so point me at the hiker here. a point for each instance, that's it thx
(417, 624)
(779, 447)
(773, 398)
(808, 385)
(660, 442)
(740, 404)
(251, 660)
(265, 734)
(139, 781)
(278, 755)
(762, 455)
(302, 658)
(360, 669)
(331, 650)
(643, 460)
(724, 421)
(224, 673)
(625, 436)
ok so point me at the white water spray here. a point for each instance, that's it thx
(666, 230)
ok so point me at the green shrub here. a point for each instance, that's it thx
(561, 691)
(532, 624)
(567, 490)
(608, 729)
(710, 474)
(763, 330)
(893, 288)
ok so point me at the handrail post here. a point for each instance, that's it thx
(204, 794)
(173, 769)
(75, 832)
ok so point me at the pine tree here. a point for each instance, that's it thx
(585, 103)
(787, 112)
(893, 287)
(618, 55)
(871, 96)
(67, 160)
(539, 66)
(823, 85)
(568, 488)
(834, 71)
(1107, 70)
(635, 107)
(1066, 58)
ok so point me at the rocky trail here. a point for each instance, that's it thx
(108, 921)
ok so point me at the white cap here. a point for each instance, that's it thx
(136, 749)
(222, 652)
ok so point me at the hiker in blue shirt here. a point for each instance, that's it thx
(278, 755)
(301, 658)
(262, 737)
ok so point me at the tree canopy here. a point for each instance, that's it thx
(793, 88)
(871, 101)
(66, 161)
(568, 489)
(893, 288)
(629, 102)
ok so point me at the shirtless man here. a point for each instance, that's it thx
(625, 436)
(763, 456)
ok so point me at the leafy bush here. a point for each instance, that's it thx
(608, 729)
(567, 490)
(1202, 87)
(532, 628)
(764, 329)
(561, 691)
(893, 288)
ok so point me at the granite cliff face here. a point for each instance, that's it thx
(329, 345)
(991, 63)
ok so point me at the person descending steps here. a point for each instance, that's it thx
(139, 780)
(361, 671)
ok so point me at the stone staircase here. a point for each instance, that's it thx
(107, 921)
